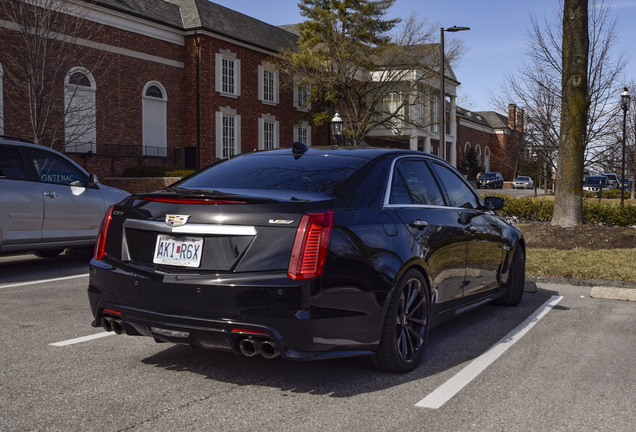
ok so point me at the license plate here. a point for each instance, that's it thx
(178, 251)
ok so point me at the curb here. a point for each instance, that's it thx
(611, 293)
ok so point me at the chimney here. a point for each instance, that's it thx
(520, 120)
(512, 116)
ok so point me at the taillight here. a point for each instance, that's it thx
(310, 247)
(100, 243)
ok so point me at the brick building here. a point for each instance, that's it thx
(499, 140)
(177, 81)
(183, 83)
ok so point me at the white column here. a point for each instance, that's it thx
(413, 142)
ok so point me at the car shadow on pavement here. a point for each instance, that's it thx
(450, 345)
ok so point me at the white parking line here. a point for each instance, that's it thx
(450, 388)
(81, 339)
(43, 281)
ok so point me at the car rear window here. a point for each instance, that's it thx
(314, 173)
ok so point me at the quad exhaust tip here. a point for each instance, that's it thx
(250, 347)
(113, 324)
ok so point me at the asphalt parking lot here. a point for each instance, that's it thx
(561, 360)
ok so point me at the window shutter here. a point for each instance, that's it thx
(219, 134)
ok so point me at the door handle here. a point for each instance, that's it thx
(50, 194)
(419, 224)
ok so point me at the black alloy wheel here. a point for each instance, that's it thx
(405, 329)
(516, 280)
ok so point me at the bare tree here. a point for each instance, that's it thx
(568, 206)
(536, 85)
(373, 71)
(41, 41)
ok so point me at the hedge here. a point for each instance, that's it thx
(529, 209)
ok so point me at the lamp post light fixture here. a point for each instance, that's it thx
(625, 99)
(534, 182)
(336, 128)
(442, 93)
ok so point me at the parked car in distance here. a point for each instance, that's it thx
(492, 180)
(627, 184)
(594, 183)
(612, 180)
(48, 202)
(522, 182)
(297, 256)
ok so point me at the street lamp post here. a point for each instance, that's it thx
(442, 93)
(534, 182)
(336, 128)
(625, 106)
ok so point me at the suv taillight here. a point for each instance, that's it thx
(310, 247)
(100, 243)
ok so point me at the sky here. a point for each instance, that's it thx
(494, 45)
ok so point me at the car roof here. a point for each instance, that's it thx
(348, 151)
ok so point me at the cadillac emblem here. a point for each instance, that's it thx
(176, 220)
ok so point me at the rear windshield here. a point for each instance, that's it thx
(314, 173)
(595, 180)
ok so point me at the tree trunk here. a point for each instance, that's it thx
(568, 205)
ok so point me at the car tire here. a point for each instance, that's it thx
(50, 253)
(406, 326)
(516, 280)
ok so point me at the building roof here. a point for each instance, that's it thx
(205, 15)
(224, 21)
(489, 119)
(153, 10)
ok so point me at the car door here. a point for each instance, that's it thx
(72, 211)
(21, 203)
(484, 247)
(438, 237)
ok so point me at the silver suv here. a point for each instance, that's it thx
(48, 202)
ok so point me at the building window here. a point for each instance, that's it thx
(302, 133)
(268, 132)
(434, 113)
(228, 133)
(227, 74)
(467, 146)
(393, 106)
(302, 97)
(267, 84)
(80, 134)
(154, 113)
(487, 159)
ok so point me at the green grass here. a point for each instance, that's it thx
(612, 264)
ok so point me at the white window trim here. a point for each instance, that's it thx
(261, 84)
(227, 112)
(218, 73)
(73, 92)
(261, 130)
(162, 144)
(300, 107)
(302, 125)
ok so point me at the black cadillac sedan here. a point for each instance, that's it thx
(306, 253)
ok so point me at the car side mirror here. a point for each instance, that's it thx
(494, 202)
(92, 181)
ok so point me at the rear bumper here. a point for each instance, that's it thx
(218, 312)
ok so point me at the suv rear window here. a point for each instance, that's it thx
(313, 173)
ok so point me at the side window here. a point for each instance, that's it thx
(413, 183)
(458, 192)
(12, 165)
(53, 169)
